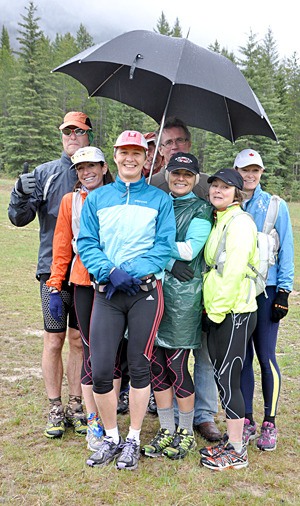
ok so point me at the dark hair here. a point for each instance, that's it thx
(174, 122)
(107, 178)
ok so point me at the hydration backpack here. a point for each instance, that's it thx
(267, 243)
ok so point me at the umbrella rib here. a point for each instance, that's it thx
(106, 80)
(229, 120)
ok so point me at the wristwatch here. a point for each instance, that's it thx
(53, 289)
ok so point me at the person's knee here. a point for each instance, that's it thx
(54, 341)
(140, 378)
(74, 339)
(101, 385)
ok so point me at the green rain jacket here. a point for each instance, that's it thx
(181, 323)
(233, 291)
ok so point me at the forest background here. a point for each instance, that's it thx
(33, 102)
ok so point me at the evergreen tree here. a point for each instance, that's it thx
(31, 133)
(176, 30)
(83, 39)
(163, 26)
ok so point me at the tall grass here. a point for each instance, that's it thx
(35, 471)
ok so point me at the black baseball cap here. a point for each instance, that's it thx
(185, 161)
(230, 176)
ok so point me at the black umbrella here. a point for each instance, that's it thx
(162, 75)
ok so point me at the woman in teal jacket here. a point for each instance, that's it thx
(180, 328)
(230, 304)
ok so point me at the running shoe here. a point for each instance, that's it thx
(56, 422)
(156, 446)
(211, 451)
(152, 408)
(76, 418)
(227, 458)
(107, 452)
(183, 441)
(94, 436)
(249, 431)
(267, 440)
(123, 404)
(129, 456)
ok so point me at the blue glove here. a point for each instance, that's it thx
(110, 290)
(56, 306)
(124, 282)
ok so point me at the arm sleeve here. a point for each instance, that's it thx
(22, 208)
(62, 252)
(285, 263)
(195, 240)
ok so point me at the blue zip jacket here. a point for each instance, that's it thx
(127, 225)
(281, 274)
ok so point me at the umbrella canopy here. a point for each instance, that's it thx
(162, 75)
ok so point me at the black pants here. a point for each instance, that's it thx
(227, 344)
(141, 314)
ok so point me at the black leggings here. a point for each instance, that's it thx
(169, 368)
(227, 344)
(83, 300)
(142, 314)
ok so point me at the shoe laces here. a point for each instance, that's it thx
(128, 448)
(183, 439)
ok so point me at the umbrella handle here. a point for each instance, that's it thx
(133, 66)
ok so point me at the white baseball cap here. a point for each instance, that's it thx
(131, 138)
(248, 157)
(87, 154)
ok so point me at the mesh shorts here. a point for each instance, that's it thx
(68, 317)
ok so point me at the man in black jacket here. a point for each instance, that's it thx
(40, 192)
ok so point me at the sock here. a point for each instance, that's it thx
(92, 418)
(250, 418)
(186, 420)
(270, 419)
(166, 419)
(236, 445)
(134, 434)
(114, 434)
(56, 400)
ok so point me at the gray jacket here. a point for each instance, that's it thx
(201, 189)
(53, 180)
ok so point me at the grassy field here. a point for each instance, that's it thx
(36, 471)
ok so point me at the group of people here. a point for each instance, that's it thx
(121, 265)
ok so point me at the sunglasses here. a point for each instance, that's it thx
(77, 131)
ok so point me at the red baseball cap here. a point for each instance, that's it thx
(131, 138)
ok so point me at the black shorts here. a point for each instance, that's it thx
(68, 317)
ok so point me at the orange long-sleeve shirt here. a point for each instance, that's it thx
(62, 248)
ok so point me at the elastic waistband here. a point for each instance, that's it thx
(148, 284)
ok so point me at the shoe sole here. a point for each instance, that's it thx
(53, 436)
(212, 468)
(178, 456)
(251, 439)
(92, 463)
(126, 468)
(266, 449)
(152, 455)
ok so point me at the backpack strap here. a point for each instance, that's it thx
(76, 212)
(272, 214)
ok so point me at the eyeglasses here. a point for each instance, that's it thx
(77, 131)
(178, 141)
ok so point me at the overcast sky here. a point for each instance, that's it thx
(206, 21)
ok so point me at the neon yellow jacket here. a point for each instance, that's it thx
(232, 291)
